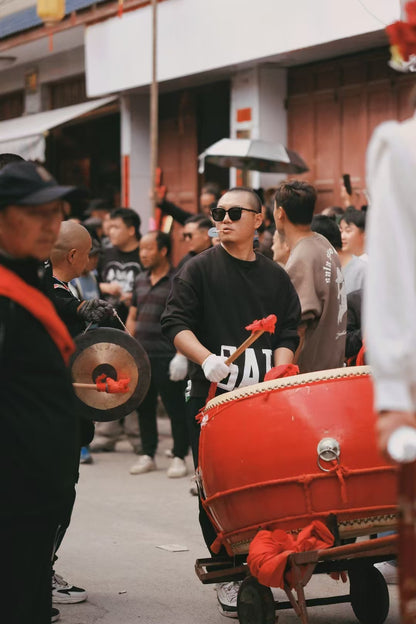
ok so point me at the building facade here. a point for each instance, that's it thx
(311, 75)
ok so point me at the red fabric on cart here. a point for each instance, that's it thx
(269, 551)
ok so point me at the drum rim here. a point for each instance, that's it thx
(287, 382)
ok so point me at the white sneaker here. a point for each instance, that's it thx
(101, 444)
(177, 468)
(64, 593)
(389, 571)
(144, 464)
(227, 598)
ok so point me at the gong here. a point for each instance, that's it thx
(115, 354)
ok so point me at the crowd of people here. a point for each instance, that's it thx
(249, 254)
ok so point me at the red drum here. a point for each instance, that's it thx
(282, 453)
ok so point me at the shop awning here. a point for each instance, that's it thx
(26, 135)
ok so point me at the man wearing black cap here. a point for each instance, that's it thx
(38, 420)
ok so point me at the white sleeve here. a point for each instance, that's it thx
(390, 288)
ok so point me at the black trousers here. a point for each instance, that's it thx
(27, 547)
(172, 394)
(193, 406)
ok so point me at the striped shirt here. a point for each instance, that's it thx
(150, 302)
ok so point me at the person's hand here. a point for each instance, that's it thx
(387, 424)
(111, 288)
(215, 368)
(95, 310)
(126, 298)
(160, 194)
(178, 367)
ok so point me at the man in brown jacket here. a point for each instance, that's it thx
(315, 271)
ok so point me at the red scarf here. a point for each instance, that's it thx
(40, 307)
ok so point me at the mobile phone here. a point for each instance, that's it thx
(347, 183)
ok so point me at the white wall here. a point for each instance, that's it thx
(197, 36)
(135, 142)
(272, 116)
(263, 90)
(50, 68)
(8, 7)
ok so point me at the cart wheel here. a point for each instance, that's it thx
(369, 594)
(255, 603)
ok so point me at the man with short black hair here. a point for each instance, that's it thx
(352, 226)
(196, 236)
(315, 271)
(327, 227)
(150, 294)
(352, 257)
(120, 264)
(117, 269)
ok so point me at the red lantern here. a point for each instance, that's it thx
(51, 11)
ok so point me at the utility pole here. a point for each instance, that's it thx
(154, 109)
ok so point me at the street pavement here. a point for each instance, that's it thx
(112, 549)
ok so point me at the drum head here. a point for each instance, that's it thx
(117, 355)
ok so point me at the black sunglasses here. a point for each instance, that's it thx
(218, 214)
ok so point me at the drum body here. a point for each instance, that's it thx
(283, 453)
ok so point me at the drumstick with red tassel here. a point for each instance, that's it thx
(106, 384)
(257, 328)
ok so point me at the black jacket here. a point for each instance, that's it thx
(216, 295)
(39, 453)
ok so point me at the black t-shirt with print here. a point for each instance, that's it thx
(216, 296)
(122, 267)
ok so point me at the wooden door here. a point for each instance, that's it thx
(178, 157)
(333, 108)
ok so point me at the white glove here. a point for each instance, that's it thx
(215, 368)
(178, 367)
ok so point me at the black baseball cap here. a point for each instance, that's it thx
(27, 183)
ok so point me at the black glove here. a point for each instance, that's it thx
(95, 310)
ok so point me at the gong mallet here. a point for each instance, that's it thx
(106, 384)
(257, 328)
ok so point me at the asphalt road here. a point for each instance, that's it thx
(113, 550)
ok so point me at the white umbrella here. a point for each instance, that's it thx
(252, 155)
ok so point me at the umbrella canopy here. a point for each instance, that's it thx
(252, 155)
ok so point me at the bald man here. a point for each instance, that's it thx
(69, 257)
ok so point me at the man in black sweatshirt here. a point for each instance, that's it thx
(214, 297)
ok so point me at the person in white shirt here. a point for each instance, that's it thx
(390, 294)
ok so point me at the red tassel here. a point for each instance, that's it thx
(267, 324)
(112, 386)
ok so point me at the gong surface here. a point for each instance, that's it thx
(115, 354)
